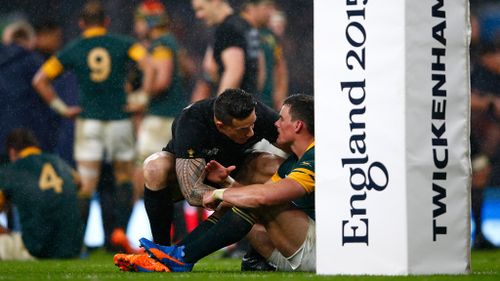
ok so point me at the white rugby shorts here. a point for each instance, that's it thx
(154, 133)
(95, 139)
(304, 259)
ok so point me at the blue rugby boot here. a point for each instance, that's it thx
(171, 256)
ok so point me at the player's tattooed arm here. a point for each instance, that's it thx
(191, 174)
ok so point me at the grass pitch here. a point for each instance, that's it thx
(99, 266)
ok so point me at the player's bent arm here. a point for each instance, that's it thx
(163, 63)
(261, 71)
(280, 81)
(209, 65)
(3, 201)
(262, 195)
(190, 175)
(43, 85)
(146, 66)
(233, 59)
(164, 69)
(203, 88)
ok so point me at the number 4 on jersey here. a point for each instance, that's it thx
(49, 179)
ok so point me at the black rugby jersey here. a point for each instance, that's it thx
(234, 31)
(194, 134)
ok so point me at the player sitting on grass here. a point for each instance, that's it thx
(43, 188)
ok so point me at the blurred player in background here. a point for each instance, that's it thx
(235, 50)
(19, 32)
(42, 187)
(49, 40)
(275, 86)
(168, 96)
(20, 106)
(103, 127)
(485, 129)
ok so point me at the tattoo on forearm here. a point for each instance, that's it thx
(190, 174)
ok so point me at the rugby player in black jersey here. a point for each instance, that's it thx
(236, 46)
(284, 205)
(222, 129)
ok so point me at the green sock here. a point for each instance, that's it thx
(200, 230)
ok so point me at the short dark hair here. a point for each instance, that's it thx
(233, 104)
(20, 138)
(246, 3)
(302, 108)
(47, 25)
(93, 13)
(20, 35)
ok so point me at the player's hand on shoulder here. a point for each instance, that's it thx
(217, 173)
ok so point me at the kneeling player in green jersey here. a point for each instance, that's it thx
(42, 187)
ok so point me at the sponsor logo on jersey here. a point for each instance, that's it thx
(211, 152)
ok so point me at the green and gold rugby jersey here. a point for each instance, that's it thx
(42, 187)
(173, 99)
(272, 50)
(99, 61)
(302, 171)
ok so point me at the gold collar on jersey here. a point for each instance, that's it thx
(31, 150)
(311, 145)
(94, 31)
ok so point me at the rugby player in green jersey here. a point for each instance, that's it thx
(274, 88)
(168, 96)
(103, 127)
(42, 187)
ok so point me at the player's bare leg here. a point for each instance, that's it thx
(258, 167)
(89, 172)
(286, 227)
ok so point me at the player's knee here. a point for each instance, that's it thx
(156, 169)
(267, 164)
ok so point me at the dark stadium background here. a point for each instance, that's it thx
(190, 31)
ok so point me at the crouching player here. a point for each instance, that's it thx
(42, 188)
(284, 206)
